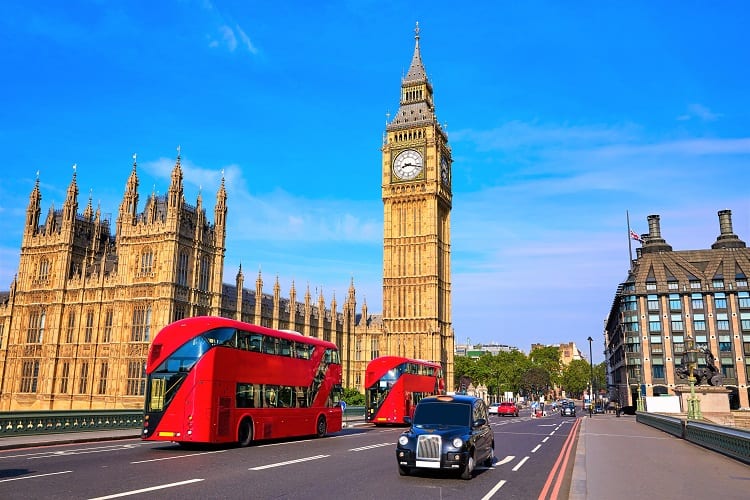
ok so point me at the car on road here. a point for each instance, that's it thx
(492, 409)
(507, 408)
(450, 433)
(568, 409)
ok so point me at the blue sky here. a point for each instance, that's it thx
(562, 116)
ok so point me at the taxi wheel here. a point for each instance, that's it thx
(469, 467)
(403, 471)
(489, 461)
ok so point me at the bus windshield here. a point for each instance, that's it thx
(169, 375)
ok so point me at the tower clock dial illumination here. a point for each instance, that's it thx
(407, 165)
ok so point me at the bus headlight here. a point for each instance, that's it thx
(403, 440)
(458, 442)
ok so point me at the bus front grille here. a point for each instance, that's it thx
(428, 447)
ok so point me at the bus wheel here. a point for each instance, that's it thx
(322, 427)
(245, 434)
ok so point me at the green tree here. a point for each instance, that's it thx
(353, 397)
(549, 359)
(463, 367)
(535, 381)
(600, 376)
(575, 377)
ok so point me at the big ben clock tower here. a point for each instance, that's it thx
(416, 189)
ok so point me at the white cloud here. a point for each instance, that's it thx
(231, 39)
(700, 112)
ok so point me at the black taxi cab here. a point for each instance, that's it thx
(447, 433)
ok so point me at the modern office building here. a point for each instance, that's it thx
(672, 298)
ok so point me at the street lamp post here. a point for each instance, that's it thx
(591, 365)
(694, 404)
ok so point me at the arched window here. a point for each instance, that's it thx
(182, 269)
(204, 274)
(44, 269)
(147, 262)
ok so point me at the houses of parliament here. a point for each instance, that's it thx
(89, 296)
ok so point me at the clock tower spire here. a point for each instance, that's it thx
(416, 190)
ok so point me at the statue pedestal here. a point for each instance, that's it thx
(714, 399)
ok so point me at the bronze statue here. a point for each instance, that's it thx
(709, 374)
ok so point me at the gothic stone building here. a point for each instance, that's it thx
(76, 324)
(670, 297)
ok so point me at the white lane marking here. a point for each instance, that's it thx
(362, 448)
(520, 464)
(288, 462)
(505, 460)
(546, 425)
(545, 439)
(177, 456)
(75, 451)
(283, 443)
(36, 475)
(552, 433)
(145, 490)
(536, 448)
(494, 490)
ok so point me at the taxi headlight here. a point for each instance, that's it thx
(403, 440)
(458, 442)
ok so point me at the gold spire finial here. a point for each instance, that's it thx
(416, 31)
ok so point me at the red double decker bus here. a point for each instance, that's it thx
(394, 385)
(217, 380)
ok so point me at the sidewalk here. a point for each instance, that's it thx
(619, 458)
(27, 441)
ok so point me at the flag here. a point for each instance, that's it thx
(635, 236)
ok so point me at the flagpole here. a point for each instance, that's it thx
(630, 243)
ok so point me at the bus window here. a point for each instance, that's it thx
(332, 357)
(303, 351)
(285, 347)
(256, 340)
(285, 397)
(270, 399)
(302, 397)
(221, 336)
(245, 396)
(270, 345)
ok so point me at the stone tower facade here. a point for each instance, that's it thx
(416, 190)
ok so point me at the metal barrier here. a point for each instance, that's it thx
(729, 441)
(671, 425)
(353, 414)
(51, 422)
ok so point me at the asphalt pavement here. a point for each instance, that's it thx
(615, 458)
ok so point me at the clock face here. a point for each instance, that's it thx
(444, 170)
(407, 165)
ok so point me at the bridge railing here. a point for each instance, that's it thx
(729, 441)
(50, 422)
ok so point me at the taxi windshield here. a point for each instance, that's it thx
(441, 413)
